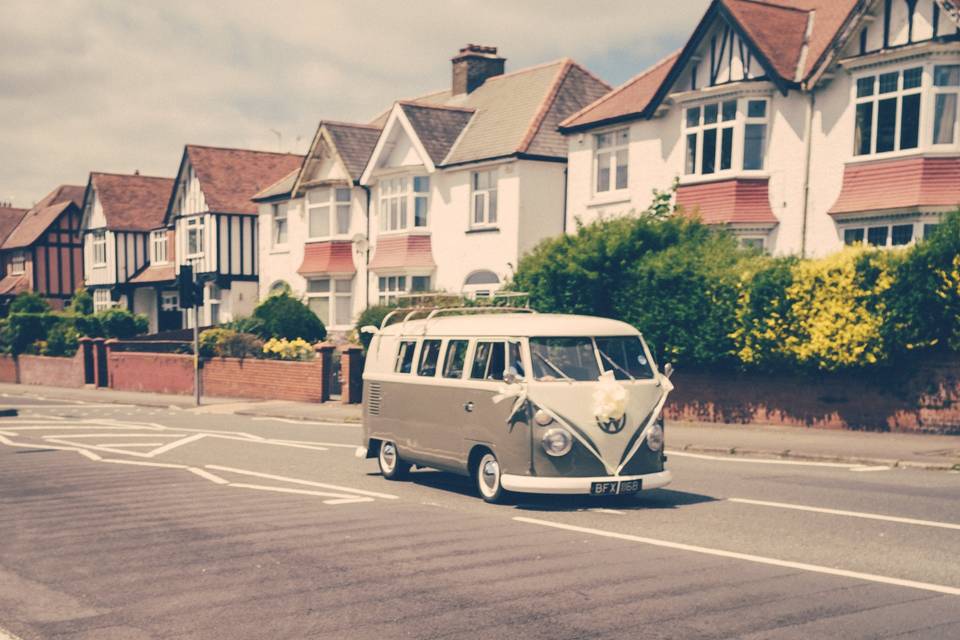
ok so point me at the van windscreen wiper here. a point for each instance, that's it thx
(614, 364)
(547, 362)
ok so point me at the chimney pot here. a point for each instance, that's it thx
(136, 172)
(473, 66)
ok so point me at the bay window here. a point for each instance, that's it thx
(611, 160)
(888, 112)
(98, 241)
(279, 235)
(18, 263)
(328, 212)
(484, 200)
(194, 236)
(158, 246)
(711, 132)
(331, 299)
(887, 234)
(399, 197)
(946, 94)
(390, 287)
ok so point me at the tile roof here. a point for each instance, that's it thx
(155, 273)
(437, 127)
(12, 285)
(132, 202)
(898, 184)
(229, 178)
(327, 257)
(281, 187)
(10, 217)
(354, 142)
(778, 30)
(402, 251)
(735, 201)
(43, 214)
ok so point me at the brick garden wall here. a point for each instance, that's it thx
(150, 372)
(8, 369)
(924, 397)
(53, 372)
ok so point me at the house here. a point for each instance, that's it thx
(123, 235)
(10, 217)
(801, 125)
(315, 225)
(215, 223)
(43, 253)
(464, 181)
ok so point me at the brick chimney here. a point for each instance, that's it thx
(473, 65)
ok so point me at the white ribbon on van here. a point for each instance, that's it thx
(506, 391)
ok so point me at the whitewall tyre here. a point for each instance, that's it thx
(487, 477)
(391, 466)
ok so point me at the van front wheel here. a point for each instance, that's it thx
(487, 475)
(391, 466)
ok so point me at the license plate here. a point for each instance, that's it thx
(613, 488)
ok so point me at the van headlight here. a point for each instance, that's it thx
(655, 437)
(542, 418)
(557, 442)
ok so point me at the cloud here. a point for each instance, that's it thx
(111, 86)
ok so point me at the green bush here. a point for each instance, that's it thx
(24, 330)
(81, 303)
(62, 340)
(250, 324)
(284, 316)
(371, 316)
(229, 343)
(120, 323)
(29, 302)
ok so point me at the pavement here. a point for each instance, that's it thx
(909, 450)
(132, 522)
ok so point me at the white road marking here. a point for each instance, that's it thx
(207, 475)
(869, 468)
(337, 498)
(802, 566)
(7, 433)
(852, 514)
(116, 435)
(176, 443)
(322, 485)
(611, 511)
(806, 463)
(144, 463)
(132, 444)
(352, 425)
(292, 443)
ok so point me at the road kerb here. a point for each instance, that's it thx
(788, 454)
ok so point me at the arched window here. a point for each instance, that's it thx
(481, 284)
(280, 286)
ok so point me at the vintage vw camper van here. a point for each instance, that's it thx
(519, 401)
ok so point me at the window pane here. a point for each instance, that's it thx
(902, 234)
(603, 140)
(343, 285)
(864, 132)
(492, 206)
(621, 169)
(623, 356)
(481, 357)
(514, 359)
(429, 354)
(910, 122)
(929, 230)
(757, 109)
(403, 213)
(886, 124)
(554, 358)
(343, 195)
(420, 283)
(480, 180)
(945, 118)
(852, 236)
(691, 153)
(497, 362)
(344, 310)
(280, 231)
(420, 211)
(912, 78)
(623, 136)
(453, 363)
(603, 171)
(478, 210)
(319, 222)
(318, 195)
(729, 110)
(753, 142)
(709, 151)
(946, 75)
(343, 219)
(710, 113)
(693, 117)
(421, 184)
(888, 81)
(865, 86)
(877, 236)
(405, 357)
(401, 283)
(320, 305)
(318, 285)
(726, 148)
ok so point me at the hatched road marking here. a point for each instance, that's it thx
(852, 514)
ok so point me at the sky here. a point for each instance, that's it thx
(122, 86)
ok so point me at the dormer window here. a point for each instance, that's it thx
(611, 160)
(711, 130)
(158, 246)
(98, 241)
(328, 212)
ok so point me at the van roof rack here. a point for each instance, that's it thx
(433, 311)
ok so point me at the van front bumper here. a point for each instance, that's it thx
(541, 484)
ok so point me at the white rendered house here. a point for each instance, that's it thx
(799, 124)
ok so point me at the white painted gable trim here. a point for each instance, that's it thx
(397, 118)
(324, 134)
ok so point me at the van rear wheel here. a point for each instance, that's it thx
(487, 476)
(391, 466)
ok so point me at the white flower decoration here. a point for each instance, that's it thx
(610, 399)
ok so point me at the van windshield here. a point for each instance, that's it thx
(624, 355)
(563, 359)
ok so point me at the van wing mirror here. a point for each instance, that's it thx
(668, 370)
(511, 378)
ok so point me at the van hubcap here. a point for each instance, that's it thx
(489, 475)
(388, 456)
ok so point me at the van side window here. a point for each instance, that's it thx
(456, 356)
(488, 361)
(429, 354)
(514, 360)
(405, 356)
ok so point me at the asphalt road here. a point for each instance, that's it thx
(127, 522)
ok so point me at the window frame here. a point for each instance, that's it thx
(406, 192)
(98, 249)
(279, 222)
(944, 90)
(18, 263)
(390, 294)
(334, 205)
(610, 154)
(735, 157)
(918, 233)
(194, 226)
(332, 295)
(102, 300)
(875, 97)
(487, 195)
(158, 246)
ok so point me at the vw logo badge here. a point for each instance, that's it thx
(613, 426)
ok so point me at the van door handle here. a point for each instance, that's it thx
(468, 407)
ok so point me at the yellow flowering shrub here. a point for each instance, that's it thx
(949, 292)
(283, 349)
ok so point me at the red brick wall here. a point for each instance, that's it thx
(8, 369)
(150, 372)
(923, 397)
(264, 379)
(53, 372)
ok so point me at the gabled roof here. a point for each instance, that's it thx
(511, 114)
(132, 202)
(43, 214)
(229, 178)
(354, 143)
(777, 31)
(10, 217)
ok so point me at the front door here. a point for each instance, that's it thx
(169, 317)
